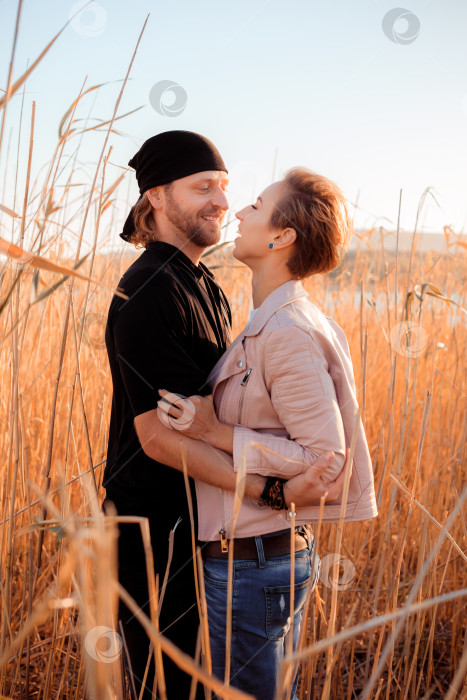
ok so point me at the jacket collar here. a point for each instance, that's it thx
(233, 361)
(285, 294)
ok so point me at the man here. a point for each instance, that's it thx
(170, 333)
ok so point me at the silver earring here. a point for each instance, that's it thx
(271, 245)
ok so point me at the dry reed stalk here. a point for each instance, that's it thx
(183, 661)
(373, 623)
(285, 671)
(194, 682)
(67, 310)
(10, 89)
(31, 504)
(415, 589)
(459, 678)
(339, 533)
(237, 504)
(198, 573)
(310, 669)
(54, 598)
(292, 575)
(77, 380)
(127, 656)
(12, 477)
(169, 562)
(103, 197)
(102, 601)
(204, 626)
(153, 586)
(414, 502)
(159, 677)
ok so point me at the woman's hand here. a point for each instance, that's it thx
(307, 488)
(196, 418)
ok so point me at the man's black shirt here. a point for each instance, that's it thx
(168, 335)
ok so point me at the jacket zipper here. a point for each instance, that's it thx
(243, 384)
(222, 531)
(224, 543)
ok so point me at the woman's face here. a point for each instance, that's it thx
(255, 232)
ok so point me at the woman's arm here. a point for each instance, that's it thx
(304, 398)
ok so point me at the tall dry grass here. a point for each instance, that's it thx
(414, 414)
(396, 628)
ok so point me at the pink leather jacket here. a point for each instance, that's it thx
(286, 383)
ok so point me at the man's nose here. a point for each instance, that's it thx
(220, 200)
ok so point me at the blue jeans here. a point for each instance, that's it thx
(260, 616)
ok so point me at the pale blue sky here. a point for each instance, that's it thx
(317, 83)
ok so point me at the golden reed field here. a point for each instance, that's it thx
(389, 621)
(388, 616)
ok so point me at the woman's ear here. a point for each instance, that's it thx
(285, 238)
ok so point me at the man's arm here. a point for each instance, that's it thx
(215, 467)
(204, 462)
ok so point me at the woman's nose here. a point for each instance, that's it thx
(239, 214)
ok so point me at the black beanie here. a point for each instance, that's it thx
(167, 157)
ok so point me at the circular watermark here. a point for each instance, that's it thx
(18, 259)
(336, 571)
(401, 26)
(94, 330)
(90, 18)
(184, 408)
(168, 98)
(341, 269)
(409, 338)
(103, 644)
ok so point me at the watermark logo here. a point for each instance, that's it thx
(341, 269)
(90, 19)
(409, 339)
(94, 330)
(103, 644)
(401, 26)
(336, 571)
(168, 98)
(175, 411)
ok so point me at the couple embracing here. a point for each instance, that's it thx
(279, 401)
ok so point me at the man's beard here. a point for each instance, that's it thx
(189, 225)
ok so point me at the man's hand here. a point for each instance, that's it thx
(193, 415)
(307, 488)
(196, 418)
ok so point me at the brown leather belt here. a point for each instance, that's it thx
(245, 547)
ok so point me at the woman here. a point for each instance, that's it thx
(282, 395)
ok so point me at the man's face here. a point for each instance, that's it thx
(196, 206)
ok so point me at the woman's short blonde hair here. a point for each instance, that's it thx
(318, 211)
